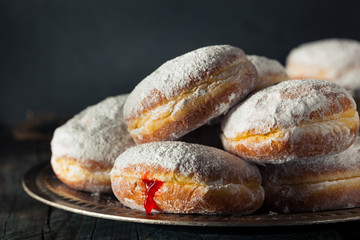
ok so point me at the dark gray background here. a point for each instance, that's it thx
(61, 56)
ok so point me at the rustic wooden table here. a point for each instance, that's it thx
(22, 217)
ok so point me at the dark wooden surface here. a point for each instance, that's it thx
(22, 217)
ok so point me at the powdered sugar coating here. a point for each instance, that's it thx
(300, 170)
(294, 119)
(201, 163)
(330, 55)
(97, 133)
(284, 106)
(313, 184)
(178, 74)
(265, 65)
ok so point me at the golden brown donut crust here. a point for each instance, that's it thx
(184, 196)
(88, 175)
(197, 111)
(328, 129)
(158, 117)
(344, 193)
(314, 184)
(208, 181)
(310, 141)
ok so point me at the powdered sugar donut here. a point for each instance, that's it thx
(293, 119)
(179, 177)
(314, 184)
(328, 59)
(84, 148)
(269, 71)
(186, 92)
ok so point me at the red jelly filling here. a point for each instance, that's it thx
(151, 187)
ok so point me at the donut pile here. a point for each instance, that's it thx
(215, 131)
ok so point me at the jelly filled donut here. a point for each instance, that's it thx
(269, 71)
(188, 91)
(179, 177)
(314, 184)
(84, 148)
(327, 59)
(293, 119)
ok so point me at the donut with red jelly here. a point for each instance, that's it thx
(180, 177)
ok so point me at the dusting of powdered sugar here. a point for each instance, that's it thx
(284, 106)
(334, 55)
(97, 133)
(178, 74)
(199, 162)
(265, 65)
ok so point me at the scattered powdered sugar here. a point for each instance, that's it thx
(190, 160)
(334, 55)
(178, 74)
(284, 106)
(97, 133)
(265, 65)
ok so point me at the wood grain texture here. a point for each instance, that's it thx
(22, 217)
